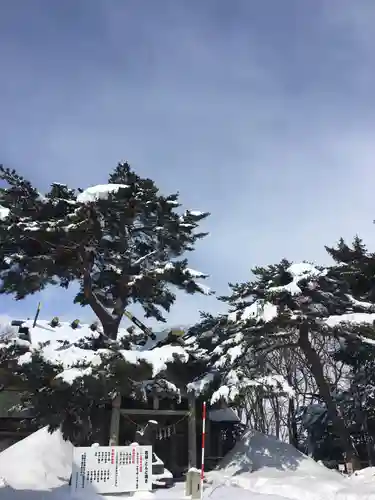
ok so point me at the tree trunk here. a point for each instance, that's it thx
(277, 418)
(292, 424)
(110, 329)
(109, 322)
(260, 412)
(338, 423)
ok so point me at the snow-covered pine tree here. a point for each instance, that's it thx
(123, 243)
(284, 307)
(356, 265)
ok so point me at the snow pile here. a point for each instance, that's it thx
(364, 475)
(255, 451)
(39, 462)
(264, 465)
(259, 468)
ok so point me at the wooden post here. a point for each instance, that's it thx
(192, 431)
(114, 430)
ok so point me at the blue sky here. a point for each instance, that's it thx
(261, 112)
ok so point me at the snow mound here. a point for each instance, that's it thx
(256, 451)
(364, 475)
(265, 467)
(39, 462)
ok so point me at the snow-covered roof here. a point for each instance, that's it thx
(223, 415)
(60, 346)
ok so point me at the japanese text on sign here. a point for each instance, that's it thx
(111, 469)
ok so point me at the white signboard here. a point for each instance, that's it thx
(112, 469)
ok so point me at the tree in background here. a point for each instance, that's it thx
(123, 243)
(357, 399)
(356, 265)
(286, 307)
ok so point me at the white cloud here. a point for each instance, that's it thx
(267, 123)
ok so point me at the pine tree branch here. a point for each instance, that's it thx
(145, 257)
(141, 229)
(120, 307)
(277, 346)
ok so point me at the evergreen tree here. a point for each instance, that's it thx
(285, 307)
(123, 242)
(357, 267)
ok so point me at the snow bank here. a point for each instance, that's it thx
(38, 468)
(263, 465)
(360, 485)
(255, 451)
(226, 492)
(39, 462)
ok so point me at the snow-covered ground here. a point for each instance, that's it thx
(259, 468)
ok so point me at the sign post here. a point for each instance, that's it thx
(204, 411)
(112, 469)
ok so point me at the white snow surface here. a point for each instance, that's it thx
(4, 212)
(262, 467)
(39, 462)
(99, 192)
(258, 468)
(256, 451)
